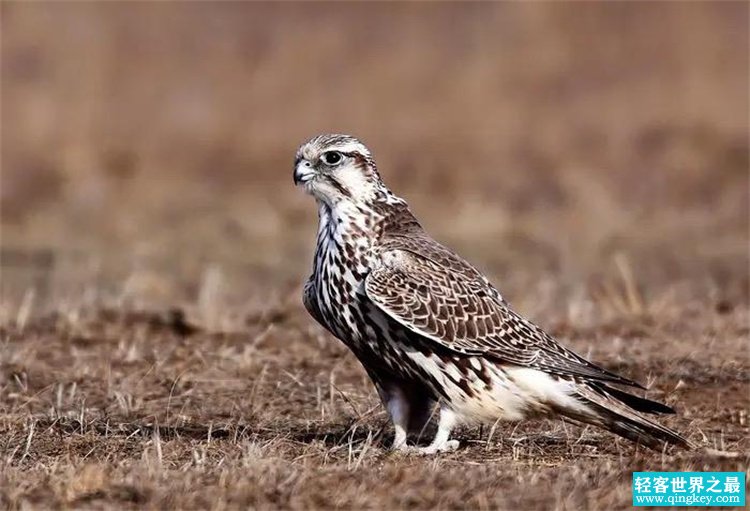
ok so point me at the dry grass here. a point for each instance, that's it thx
(593, 159)
(134, 409)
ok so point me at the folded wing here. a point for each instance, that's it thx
(428, 289)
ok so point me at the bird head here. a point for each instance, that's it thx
(336, 168)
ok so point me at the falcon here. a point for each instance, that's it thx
(432, 331)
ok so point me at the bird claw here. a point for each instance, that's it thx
(449, 446)
(400, 447)
(403, 448)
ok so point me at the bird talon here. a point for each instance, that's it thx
(404, 449)
(449, 446)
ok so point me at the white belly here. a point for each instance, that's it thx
(501, 393)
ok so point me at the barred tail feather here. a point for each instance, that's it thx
(640, 430)
(636, 403)
(616, 412)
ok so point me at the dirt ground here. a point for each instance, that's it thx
(144, 410)
(154, 352)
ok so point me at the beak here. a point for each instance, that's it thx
(303, 172)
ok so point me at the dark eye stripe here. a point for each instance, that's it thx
(339, 187)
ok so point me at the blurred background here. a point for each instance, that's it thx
(578, 153)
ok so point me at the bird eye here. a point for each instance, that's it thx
(332, 158)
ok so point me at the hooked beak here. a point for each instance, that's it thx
(303, 172)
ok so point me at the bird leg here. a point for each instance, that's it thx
(408, 407)
(441, 442)
(398, 408)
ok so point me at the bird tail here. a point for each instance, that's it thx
(617, 411)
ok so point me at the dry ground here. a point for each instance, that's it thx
(140, 409)
(154, 353)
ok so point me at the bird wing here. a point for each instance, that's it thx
(311, 304)
(431, 291)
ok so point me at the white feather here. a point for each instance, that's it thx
(543, 389)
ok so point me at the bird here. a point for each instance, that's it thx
(431, 331)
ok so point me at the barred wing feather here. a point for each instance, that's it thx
(458, 309)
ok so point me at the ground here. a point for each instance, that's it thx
(145, 409)
(591, 159)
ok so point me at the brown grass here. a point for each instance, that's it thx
(121, 409)
(593, 159)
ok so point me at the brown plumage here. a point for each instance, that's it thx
(430, 328)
